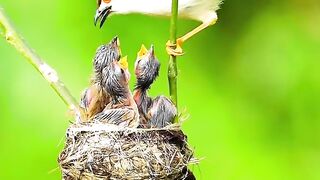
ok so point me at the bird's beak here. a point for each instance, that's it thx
(124, 63)
(151, 52)
(116, 44)
(101, 14)
(115, 41)
(143, 51)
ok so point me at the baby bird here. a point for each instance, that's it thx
(122, 109)
(95, 98)
(146, 71)
(199, 10)
(156, 113)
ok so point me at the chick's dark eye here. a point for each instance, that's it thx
(122, 71)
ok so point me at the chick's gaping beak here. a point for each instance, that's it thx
(123, 63)
(143, 51)
(101, 14)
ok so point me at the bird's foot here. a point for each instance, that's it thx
(175, 49)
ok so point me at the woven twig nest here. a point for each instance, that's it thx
(103, 151)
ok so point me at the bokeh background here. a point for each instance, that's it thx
(251, 85)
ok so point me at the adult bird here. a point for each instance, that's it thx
(95, 98)
(122, 110)
(156, 113)
(199, 10)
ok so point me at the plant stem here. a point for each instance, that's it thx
(11, 36)
(172, 66)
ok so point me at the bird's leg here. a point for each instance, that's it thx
(178, 50)
(174, 49)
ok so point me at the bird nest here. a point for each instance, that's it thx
(105, 151)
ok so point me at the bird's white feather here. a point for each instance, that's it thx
(200, 10)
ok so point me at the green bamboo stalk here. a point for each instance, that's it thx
(172, 67)
(8, 32)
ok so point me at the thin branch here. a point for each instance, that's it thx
(11, 36)
(172, 67)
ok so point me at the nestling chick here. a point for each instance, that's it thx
(146, 71)
(95, 98)
(122, 109)
(156, 113)
(200, 10)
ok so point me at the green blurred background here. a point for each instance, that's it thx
(251, 85)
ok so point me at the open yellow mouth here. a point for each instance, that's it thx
(143, 51)
(123, 62)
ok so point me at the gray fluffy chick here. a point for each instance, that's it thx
(122, 110)
(156, 113)
(95, 98)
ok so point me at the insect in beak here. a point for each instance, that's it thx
(101, 14)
